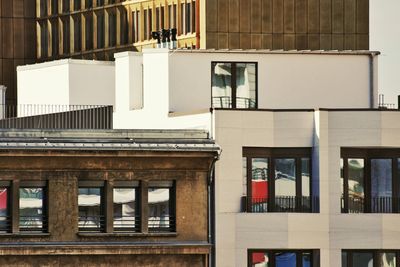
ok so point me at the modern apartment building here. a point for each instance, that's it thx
(309, 171)
(105, 198)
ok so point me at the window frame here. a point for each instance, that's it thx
(233, 82)
(272, 252)
(369, 154)
(279, 153)
(138, 218)
(103, 210)
(375, 255)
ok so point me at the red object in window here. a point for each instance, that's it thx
(258, 257)
(3, 198)
(259, 189)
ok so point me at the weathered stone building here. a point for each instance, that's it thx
(110, 198)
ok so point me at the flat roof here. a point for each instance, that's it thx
(66, 61)
(153, 140)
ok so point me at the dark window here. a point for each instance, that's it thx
(278, 180)
(136, 27)
(43, 8)
(91, 208)
(158, 25)
(54, 38)
(234, 85)
(65, 5)
(100, 2)
(123, 26)
(77, 5)
(182, 19)
(281, 258)
(162, 17)
(77, 34)
(89, 32)
(32, 214)
(54, 7)
(112, 29)
(44, 35)
(126, 208)
(194, 14)
(145, 24)
(161, 201)
(100, 30)
(66, 36)
(188, 20)
(88, 3)
(370, 258)
(369, 178)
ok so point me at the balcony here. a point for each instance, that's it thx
(38, 116)
(375, 205)
(226, 102)
(281, 204)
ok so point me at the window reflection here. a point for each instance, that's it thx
(4, 219)
(259, 184)
(306, 259)
(245, 85)
(388, 260)
(305, 177)
(381, 185)
(31, 215)
(356, 185)
(285, 259)
(285, 184)
(244, 175)
(124, 208)
(90, 211)
(259, 259)
(363, 259)
(221, 85)
(159, 209)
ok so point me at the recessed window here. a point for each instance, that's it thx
(126, 208)
(32, 215)
(5, 219)
(369, 177)
(161, 207)
(91, 208)
(234, 85)
(370, 258)
(278, 180)
(279, 258)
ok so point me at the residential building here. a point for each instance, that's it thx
(105, 197)
(309, 170)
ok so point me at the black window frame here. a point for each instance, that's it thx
(279, 153)
(102, 225)
(138, 222)
(233, 83)
(299, 253)
(368, 154)
(375, 255)
(8, 217)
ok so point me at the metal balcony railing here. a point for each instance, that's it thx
(374, 205)
(37, 223)
(37, 116)
(127, 224)
(226, 102)
(5, 224)
(281, 204)
(162, 224)
(91, 223)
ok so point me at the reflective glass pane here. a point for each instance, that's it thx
(364, 259)
(344, 259)
(31, 208)
(285, 259)
(381, 185)
(159, 209)
(306, 259)
(244, 175)
(4, 219)
(388, 260)
(356, 185)
(342, 184)
(259, 259)
(259, 184)
(246, 82)
(285, 184)
(221, 85)
(305, 177)
(90, 210)
(124, 208)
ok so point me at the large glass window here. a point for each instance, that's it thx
(125, 209)
(161, 208)
(112, 29)
(77, 33)
(32, 214)
(100, 30)
(234, 85)
(369, 177)
(276, 258)
(278, 180)
(370, 258)
(91, 209)
(5, 219)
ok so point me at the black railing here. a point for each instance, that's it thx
(91, 223)
(374, 205)
(281, 204)
(56, 116)
(162, 224)
(36, 223)
(127, 224)
(226, 102)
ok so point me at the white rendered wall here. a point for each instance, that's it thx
(329, 231)
(284, 80)
(67, 82)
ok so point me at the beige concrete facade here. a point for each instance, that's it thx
(330, 231)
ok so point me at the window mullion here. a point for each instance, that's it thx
(144, 207)
(298, 197)
(367, 183)
(271, 193)
(346, 184)
(15, 206)
(395, 185)
(249, 184)
(108, 207)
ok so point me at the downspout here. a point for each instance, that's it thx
(211, 209)
(371, 80)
